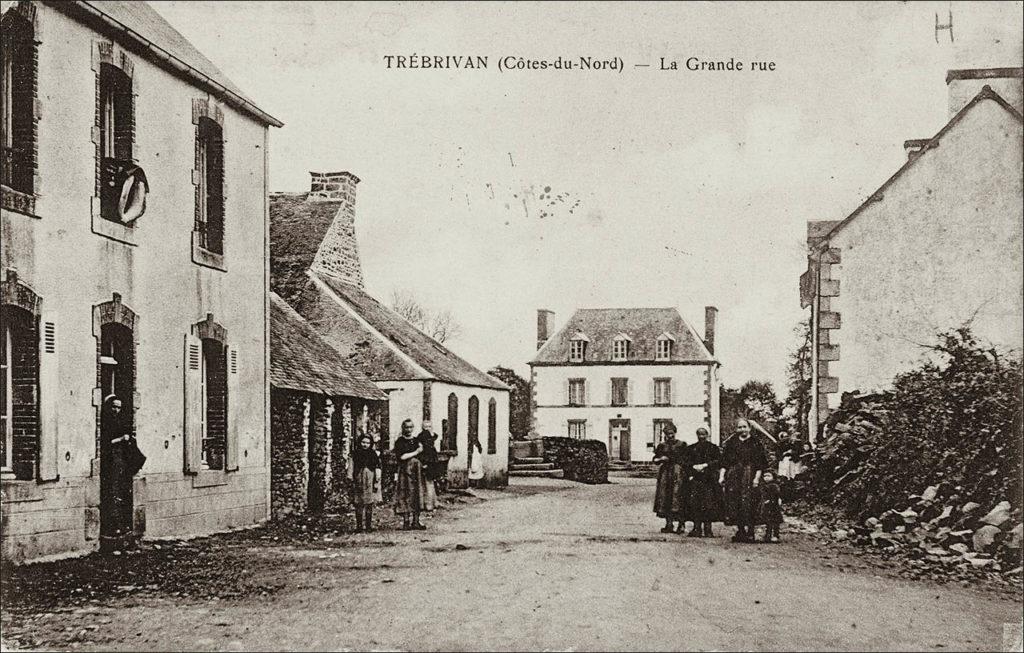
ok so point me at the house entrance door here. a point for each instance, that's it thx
(619, 444)
(117, 379)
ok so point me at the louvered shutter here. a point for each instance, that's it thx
(49, 398)
(671, 392)
(568, 392)
(193, 404)
(629, 392)
(583, 398)
(234, 412)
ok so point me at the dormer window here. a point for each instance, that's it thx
(663, 347)
(620, 348)
(578, 348)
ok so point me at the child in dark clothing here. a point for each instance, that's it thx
(771, 507)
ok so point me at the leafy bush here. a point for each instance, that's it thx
(585, 461)
(955, 423)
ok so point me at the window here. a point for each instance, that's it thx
(19, 387)
(210, 189)
(450, 436)
(664, 349)
(116, 136)
(578, 429)
(657, 435)
(214, 404)
(577, 392)
(662, 392)
(620, 349)
(492, 426)
(473, 428)
(577, 350)
(620, 392)
(17, 101)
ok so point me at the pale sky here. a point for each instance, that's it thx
(666, 188)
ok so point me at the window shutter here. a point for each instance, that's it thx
(193, 404)
(568, 393)
(629, 391)
(583, 398)
(671, 392)
(49, 398)
(652, 388)
(611, 392)
(234, 412)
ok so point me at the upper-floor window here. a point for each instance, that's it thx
(577, 350)
(17, 102)
(577, 392)
(663, 349)
(662, 392)
(116, 141)
(620, 349)
(620, 392)
(210, 193)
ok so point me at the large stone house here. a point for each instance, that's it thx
(319, 404)
(315, 267)
(108, 289)
(939, 244)
(618, 375)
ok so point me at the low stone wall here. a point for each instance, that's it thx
(585, 461)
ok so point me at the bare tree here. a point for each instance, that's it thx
(438, 324)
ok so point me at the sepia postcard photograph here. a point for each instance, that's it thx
(511, 326)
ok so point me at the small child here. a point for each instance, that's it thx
(366, 491)
(771, 507)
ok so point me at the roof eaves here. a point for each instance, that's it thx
(986, 93)
(174, 62)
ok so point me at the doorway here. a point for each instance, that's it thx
(117, 377)
(619, 443)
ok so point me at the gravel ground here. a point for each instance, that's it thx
(546, 564)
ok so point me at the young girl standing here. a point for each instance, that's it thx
(366, 491)
(771, 507)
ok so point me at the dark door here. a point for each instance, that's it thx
(619, 444)
(117, 378)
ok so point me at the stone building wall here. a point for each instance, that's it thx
(338, 254)
(289, 469)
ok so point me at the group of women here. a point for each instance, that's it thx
(703, 483)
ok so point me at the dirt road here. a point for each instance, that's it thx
(555, 565)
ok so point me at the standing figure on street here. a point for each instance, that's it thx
(771, 507)
(410, 487)
(705, 506)
(366, 492)
(670, 495)
(120, 460)
(743, 462)
(428, 459)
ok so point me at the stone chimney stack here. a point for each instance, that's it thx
(964, 84)
(710, 316)
(338, 254)
(545, 325)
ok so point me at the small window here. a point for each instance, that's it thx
(210, 191)
(117, 136)
(620, 392)
(17, 102)
(620, 349)
(577, 392)
(664, 349)
(492, 426)
(577, 350)
(215, 403)
(578, 429)
(662, 392)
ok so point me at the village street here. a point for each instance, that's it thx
(546, 564)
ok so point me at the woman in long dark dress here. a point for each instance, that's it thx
(410, 488)
(119, 461)
(703, 458)
(743, 462)
(670, 495)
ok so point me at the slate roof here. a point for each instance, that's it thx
(139, 22)
(376, 357)
(296, 229)
(641, 325)
(986, 93)
(301, 360)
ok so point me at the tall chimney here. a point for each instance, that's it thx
(965, 84)
(338, 254)
(545, 322)
(710, 315)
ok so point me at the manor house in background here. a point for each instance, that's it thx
(937, 245)
(618, 375)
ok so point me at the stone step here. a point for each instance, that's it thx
(543, 473)
(528, 460)
(534, 466)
